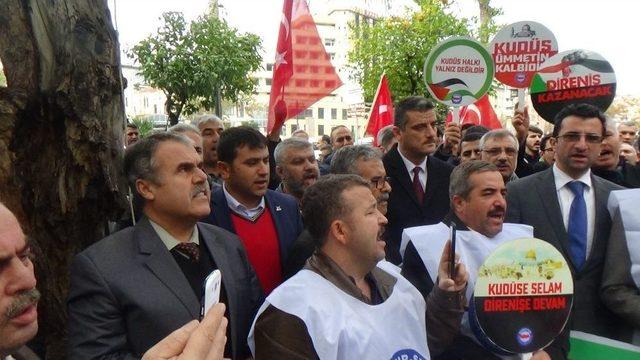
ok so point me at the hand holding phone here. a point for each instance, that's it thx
(211, 291)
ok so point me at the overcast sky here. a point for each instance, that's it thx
(585, 24)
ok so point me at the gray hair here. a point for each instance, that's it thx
(345, 160)
(207, 118)
(285, 145)
(610, 124)
(140, 161)
(459, 182)
(183, 128)
(628, 123)
(498, 134)
(385, 135)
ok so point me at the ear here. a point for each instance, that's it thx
(339, 231)
(145, 189)
(280, 171)
(458, 204)
(553, 141)
(225, 170)
(397, 132)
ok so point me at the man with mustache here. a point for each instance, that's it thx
(608, 165)
(210, 128)
(296, 166)
(347, 303)
(362, 160)
(500, 147)
(267, 222)
(420, 182)
(137, 286)
(567, 207)
(478, 208)
(19, 299)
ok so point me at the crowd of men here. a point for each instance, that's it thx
(338, 257)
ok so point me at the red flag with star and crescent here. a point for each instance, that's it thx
(302, 72)
(381, 113)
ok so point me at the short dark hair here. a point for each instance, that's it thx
(336, 128)
(139, 160)
(459, 183)
(236, 137)
(478, 129)
(544, 141)
(411, 103)
(535, 129)
(132, 125)
(584, 111)
(323, 203)
(469, 137)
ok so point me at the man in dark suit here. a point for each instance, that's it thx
(567, 206)
(137, 286)
(267, 222)
(420, 182)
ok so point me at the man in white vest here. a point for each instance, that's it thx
(347, 303)
(478, 207)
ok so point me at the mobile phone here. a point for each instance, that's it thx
(452, 254)
(211, 292)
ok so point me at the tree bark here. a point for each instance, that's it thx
(61, 137)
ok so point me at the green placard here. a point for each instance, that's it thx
(591, 347)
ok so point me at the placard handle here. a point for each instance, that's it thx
(456, 115)
(520, 100)
(526, 356)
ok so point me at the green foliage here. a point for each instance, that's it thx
(399, 46)
(192, 62)
(145, 125)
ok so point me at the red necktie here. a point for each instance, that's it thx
(190, 249)
(417, 186)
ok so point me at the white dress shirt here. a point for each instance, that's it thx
(565, 198)
(410, 166)
(238, 208)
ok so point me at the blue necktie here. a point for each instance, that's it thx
(577, 228)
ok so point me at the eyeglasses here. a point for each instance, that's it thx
(379, 182)
(547, 149)
(344, 138)
(498, 151)
(575, 137)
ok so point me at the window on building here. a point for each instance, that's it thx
(301, 82)
(514, 93)
(352, 130)
(334, 114)
(320, 113)
(344, 114)
(269, 67)
(320, 130)
(268, 81)
(314, 55)
(155, 108)
(308, 113)
(329, 42)
(294, 127)
(301, 39)
(332, 56)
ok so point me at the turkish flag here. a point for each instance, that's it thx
(479, 113)
(381, 113)
(302, 72)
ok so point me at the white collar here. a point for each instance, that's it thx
(410, 166)
(237, 206)
(561, 178)
(169, 240)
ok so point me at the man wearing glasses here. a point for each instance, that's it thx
(500, 147)
(567, 207)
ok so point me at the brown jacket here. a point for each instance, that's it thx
(279, 335)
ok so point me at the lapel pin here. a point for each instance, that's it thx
(278, 208)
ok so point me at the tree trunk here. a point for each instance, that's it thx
(61, 134)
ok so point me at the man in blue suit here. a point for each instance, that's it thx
(267, 222)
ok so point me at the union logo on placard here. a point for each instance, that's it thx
(525, 336)
(520, 77)
(407, 354)
(456, 99)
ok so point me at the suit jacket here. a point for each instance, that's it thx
(533, 200)
(404, 210)
(284, 211)
(127, 293)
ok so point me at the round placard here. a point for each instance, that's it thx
(519, 49)
(458, 71)
(572, 77)
(522, 297)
